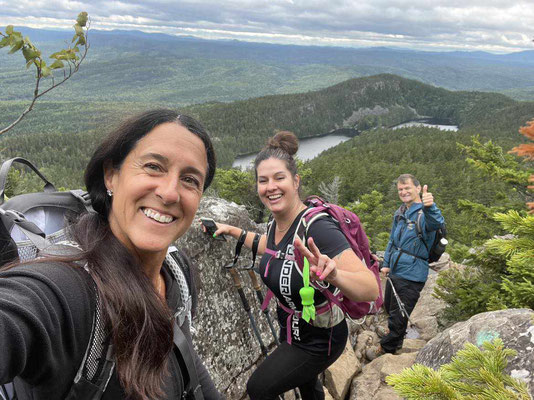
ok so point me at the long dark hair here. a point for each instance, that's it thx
(141, 325)
(139, 322)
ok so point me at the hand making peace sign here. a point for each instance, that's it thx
(322, 267)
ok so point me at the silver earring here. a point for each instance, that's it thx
(109, 192)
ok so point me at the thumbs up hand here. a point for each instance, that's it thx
(427, 197)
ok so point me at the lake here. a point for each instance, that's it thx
(308, 148)
(311, 147)
(427, 123)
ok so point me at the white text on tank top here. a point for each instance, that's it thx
(285, 290)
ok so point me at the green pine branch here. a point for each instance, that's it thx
(472, 374)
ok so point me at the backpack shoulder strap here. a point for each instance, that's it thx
(84, 198)
(181, 272)
(184, 354)
(419, 229)
(307, 222)
(98, 362)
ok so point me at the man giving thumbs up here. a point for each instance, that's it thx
(406, 256)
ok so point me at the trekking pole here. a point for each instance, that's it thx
(400, 303)
(259, 294)
(257, 287)
(239, 287)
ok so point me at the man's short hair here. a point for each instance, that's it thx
(407, 177)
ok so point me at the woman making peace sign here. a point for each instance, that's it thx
(307, 348)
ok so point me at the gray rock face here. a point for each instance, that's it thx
(424, 315)
(339, 375)
(370, 384)
(515, 327)
(442, 263)
(223, 337)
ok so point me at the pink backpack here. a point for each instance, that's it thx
(350, 225)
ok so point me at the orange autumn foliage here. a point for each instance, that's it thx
(527, 150)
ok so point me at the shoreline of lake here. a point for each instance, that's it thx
(311, 146)
(348, 132)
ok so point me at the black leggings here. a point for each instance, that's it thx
(288, 367)
(408, 292)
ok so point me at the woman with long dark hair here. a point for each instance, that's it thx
(145, 181)
(307, 348)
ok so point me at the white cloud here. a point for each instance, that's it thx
(492, 25)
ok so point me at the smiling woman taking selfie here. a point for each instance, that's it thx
(145, 181)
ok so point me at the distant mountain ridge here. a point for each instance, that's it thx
(134, 66)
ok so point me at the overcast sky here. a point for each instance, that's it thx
(490, 25)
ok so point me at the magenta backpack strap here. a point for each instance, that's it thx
(290, 313)
(276, 254)
(268, 296)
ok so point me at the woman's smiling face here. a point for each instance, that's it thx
(277, 188)
(157, 189)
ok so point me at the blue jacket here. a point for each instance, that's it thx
(404, 236)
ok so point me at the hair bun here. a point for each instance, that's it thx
(286, 141)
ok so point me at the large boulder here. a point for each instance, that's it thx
(425, 314)
(338, 376)
(443, 263)
(515, 327)
(223, 335)
(371, 383)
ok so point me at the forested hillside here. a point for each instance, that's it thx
(63, 134)
(61, 142)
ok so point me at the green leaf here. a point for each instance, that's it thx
(9, 29)
(57, 64)
(29, 54)
(60, 55)
(17, 46)
(82, 18)
(81, 41)
(79, 30)
(45, 72)
(4, 42)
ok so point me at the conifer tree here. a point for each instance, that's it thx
(500, 274)
(330, 191)
(472, 374)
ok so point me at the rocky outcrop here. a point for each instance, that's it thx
(370, 384)
(226, 342)
(339, 375)
(515, 327)
(425, 314)
(223, 334)
(362, 112)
